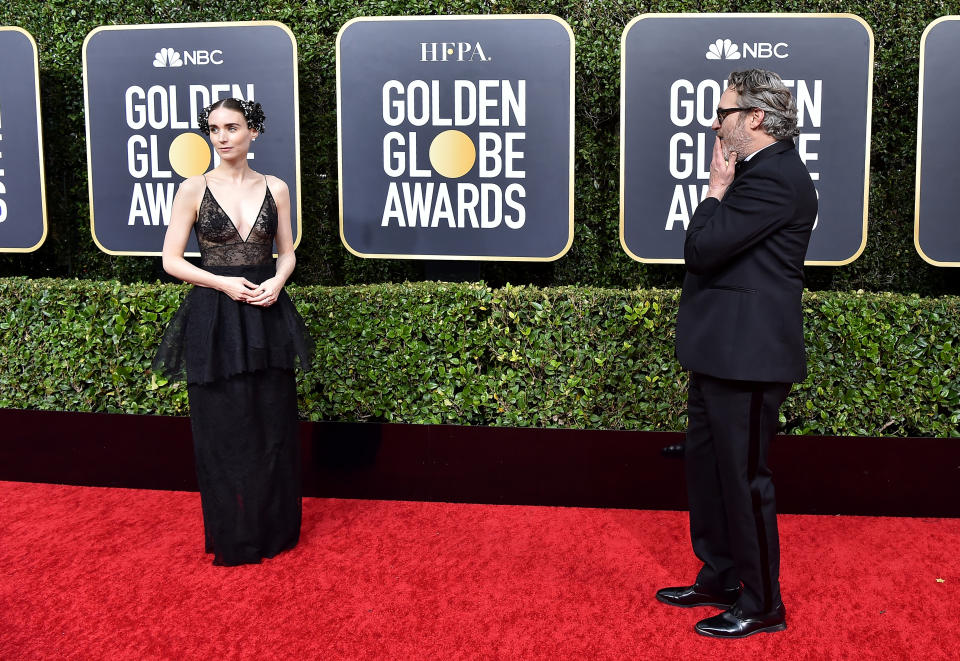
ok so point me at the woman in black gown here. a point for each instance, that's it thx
(237, 338)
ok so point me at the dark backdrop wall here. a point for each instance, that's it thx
(889, 262)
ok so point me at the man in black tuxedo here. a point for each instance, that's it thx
(739, 332)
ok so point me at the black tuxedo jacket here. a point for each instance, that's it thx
(740, 312)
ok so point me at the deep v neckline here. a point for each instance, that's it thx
(233, 224)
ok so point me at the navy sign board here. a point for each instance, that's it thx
(143, 87)
(674, 69)
(456, 137)
(935, 231)
(23, 209)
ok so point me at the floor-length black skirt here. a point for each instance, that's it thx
(248, 464)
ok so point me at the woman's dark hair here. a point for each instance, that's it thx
(251, 110)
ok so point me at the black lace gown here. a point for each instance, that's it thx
(238, 361)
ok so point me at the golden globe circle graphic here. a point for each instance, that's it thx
(189, 155)
(452, 154)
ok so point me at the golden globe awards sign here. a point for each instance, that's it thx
(936, 234)
(674, 69)
(23, 213)
(456, 137)
(144, 86)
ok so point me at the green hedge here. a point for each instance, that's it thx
(889, 263)
(880, 364)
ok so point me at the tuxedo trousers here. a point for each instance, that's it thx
(733, 518)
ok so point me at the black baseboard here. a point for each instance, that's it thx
(584, 468)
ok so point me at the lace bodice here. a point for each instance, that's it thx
(220, 241)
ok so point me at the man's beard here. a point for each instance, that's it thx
(737, 141)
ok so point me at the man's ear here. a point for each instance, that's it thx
(756, 118)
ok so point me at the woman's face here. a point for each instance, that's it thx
(229, 133)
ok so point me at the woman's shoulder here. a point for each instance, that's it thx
(276, 185)
(195, 184)
(192, 189)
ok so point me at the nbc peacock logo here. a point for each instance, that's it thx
(723, 49)
(167, 57)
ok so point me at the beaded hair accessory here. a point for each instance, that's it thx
(252, 112)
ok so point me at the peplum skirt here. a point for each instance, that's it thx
(212, 337)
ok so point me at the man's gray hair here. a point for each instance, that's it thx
(758, 88)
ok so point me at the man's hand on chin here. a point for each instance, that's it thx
(722, 168)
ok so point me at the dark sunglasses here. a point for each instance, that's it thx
(723, 112)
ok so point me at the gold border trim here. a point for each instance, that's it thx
(43, 175)
(866, 171)
(916, 201)
(482, 17)
(166, 26)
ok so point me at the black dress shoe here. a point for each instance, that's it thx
(694, 595)
(732, 623)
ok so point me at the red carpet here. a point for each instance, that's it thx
(88, 573)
